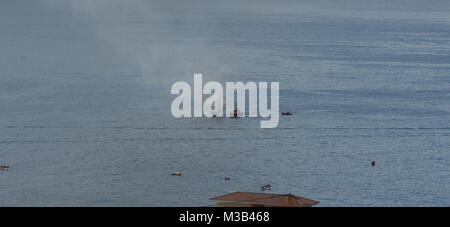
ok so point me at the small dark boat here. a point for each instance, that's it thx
(177, 173)
(286, 113)
(265, 187)
(235, 113)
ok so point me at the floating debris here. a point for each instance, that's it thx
(286, 113)
(4, 168)
(177, 173)
(265, 187)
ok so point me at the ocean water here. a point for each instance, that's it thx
(85, 101)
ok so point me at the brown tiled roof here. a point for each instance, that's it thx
(264, 199)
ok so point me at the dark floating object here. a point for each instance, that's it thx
(4, 168)
(227, 179)
(372, 163)
(265, 187)
(286, 113)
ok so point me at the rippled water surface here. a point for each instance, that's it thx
(85, 102)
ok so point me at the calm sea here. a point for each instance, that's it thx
(85, 101)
